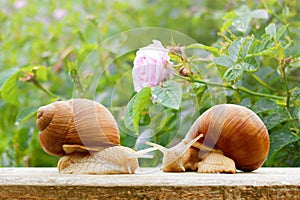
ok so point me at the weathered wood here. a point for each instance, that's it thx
(47, 183)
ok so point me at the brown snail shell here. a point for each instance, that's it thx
(80, 122)
(237, 131)
(223, 138)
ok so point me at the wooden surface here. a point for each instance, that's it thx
(149, 183)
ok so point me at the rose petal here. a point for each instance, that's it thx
(151, 66)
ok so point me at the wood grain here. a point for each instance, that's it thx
(149, 183)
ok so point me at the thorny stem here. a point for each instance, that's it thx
(282, 65)
(236, 88)
(287, 88)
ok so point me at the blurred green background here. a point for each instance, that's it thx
(50, 40)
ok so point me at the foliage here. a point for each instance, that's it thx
(245, 52)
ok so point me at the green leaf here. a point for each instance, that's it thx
(288, 156)
(135, 107)
(213, 50)
(263, 105)
(295, 95)
(229, 17)
(295, 114)
(241, 23)
(142, 98)
(42, 73)
(271, 2)
(260, 14)
(246, 102)
(128, 119)
(226, 25)
(22, 138)
(26, 113)
(9, 90)
(224, 61)
(278, 140)
(275, 117)
(250, 65)
(271, 30)
(279, 52)
(266, 43)
(6, 74)
(280, 32)
(159, 116)
(265, 47)
(296, 64)
(233, 73)
(234, 49)
(246, 46)
(254, 47)
(168, 95)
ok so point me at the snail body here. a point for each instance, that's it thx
(112, 160)
(224, 138)
(86, 137)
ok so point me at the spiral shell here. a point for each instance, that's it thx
(79, 122)
(237, 131)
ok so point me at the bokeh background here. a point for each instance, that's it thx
(51, 40)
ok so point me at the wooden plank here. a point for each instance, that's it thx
(149, 183)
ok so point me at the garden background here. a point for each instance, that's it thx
(254, 45)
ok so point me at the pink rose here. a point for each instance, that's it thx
(151, 66)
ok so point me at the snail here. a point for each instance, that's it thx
(86, 136)
(224, 138)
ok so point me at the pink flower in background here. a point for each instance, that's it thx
(59, 13)
(20, 4)
(151, 66)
